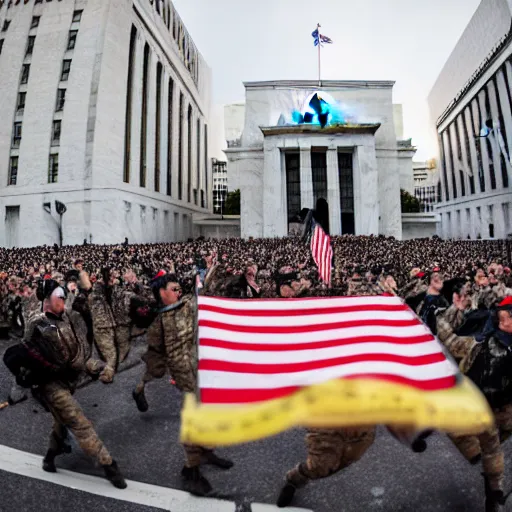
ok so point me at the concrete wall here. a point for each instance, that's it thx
(419, 225)
(234, 118)
(359, 102)
(488, 25)
(92, 144)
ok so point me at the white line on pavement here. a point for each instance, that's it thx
(29, 465)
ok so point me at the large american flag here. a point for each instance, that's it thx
(321, 251)
(257, 350)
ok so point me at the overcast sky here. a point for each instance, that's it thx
(403, 40)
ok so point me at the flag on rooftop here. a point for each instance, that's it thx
(320, 39)
(265, 366)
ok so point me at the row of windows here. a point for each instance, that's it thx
(476, 140)
(180, 35)
(53, 169)
(320, 185)
(162, 103)
(455, 225)
(77, 16)
(17, 131)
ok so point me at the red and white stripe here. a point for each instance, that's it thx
(321, 251)
(257, 350)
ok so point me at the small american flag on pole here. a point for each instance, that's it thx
(266, 365)
(321, 251)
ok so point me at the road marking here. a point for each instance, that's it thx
(29, 465)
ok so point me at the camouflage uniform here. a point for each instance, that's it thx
(172, 348)
(331, 450)
(121, 298)
(104, 324)
(487, 445)
(413, 288)
(69, 339)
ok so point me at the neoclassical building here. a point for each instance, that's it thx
(471, 111)
(105, 107)
(301, 141)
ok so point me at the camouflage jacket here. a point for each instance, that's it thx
(101, 310)
(413, 288)
(176, 331)
(484, 297)
(490, 370)
(363, 287)
(463, 349)
(121, 298)
(65, 337)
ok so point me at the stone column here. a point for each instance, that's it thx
(274, 202)
(483, 145)
(496, 149)
(471, 116)
(448, 165)
(164, 125)
(455, 159)
(465, 164)
(333, 192)
(306, 178)
(366, 192)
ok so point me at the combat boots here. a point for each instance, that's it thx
(493, 499)
(49, 458)
(286, 495)
(140, 400)
(211, 458)
(113, 474)
(194, 482)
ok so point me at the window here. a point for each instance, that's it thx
(77, 16)
(35, 21)
(24, 73)
(6, 25)
(346, 182)
(53, 169)
(16, 135)
(189, 154)
(21, 101)
(129, 98)
(292, 163)
(72, 39)
(56, 133)
(61, 99)
(144, 119)
(66, 66)
(30, 45)
(13, 171)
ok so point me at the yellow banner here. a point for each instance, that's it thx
(336, 404)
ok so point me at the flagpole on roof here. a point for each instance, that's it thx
(319, 60)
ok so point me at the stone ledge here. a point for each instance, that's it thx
(298, 129)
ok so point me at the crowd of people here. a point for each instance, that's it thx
(77, 309)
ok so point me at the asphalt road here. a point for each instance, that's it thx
(388, 478)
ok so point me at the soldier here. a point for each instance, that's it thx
(109, 305)
(172, 348)
(415, 286)
(50, 361)
(330, 450)
(433, 300)
(486, 359)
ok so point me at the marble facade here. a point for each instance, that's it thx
(256, 162)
